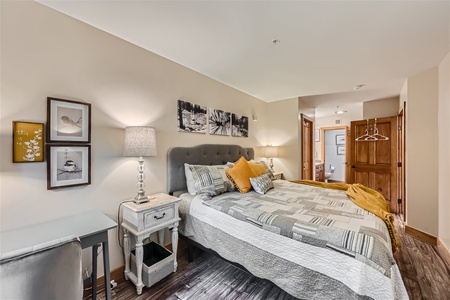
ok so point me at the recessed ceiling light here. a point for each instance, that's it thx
(276, 41)
(340, 111)
(358, 87)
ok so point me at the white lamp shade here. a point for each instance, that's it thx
(140, 141)
(271, 151)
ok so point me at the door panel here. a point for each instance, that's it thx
(374, 163)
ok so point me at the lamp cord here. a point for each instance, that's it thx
(119, 223)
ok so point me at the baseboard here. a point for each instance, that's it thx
(423, 236)
(444, 252)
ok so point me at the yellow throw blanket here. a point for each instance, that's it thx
(364, 197)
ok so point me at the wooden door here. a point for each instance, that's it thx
(348, 156)
(374, 163)
(307, 132)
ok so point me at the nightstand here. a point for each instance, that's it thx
(278, 175)
(141, 220)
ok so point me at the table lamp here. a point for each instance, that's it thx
(140, 141)
(271, 152)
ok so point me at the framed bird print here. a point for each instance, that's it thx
(68, 165)
(68, 121)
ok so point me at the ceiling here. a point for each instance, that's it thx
(325, 47)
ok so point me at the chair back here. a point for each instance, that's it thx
(48, 271)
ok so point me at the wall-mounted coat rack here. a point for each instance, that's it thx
(376, 136)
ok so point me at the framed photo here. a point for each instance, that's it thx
(219, 122)
(340, 139)
(239, 126)
(68, 121)
(68, 165)
(28, 142)
(191, 117)
(340, 150)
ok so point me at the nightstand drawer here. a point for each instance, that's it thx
(159, 216)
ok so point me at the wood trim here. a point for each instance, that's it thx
(443, 251)
(424, 237)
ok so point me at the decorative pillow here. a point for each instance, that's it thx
(257, 168)
(209, 180)
(261, 184)
(268, 171)
(240, 175)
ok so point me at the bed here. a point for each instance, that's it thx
(317, 255)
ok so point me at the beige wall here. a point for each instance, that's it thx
(444, 152)
(45, 53)
(422, 152)
(282, 129)
(380, 108)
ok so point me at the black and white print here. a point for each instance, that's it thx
(68, 165)
(239, 126)
(219, 122)
(191, 117)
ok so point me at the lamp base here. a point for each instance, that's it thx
(139, 199)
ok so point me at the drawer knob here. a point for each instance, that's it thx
(157, 218)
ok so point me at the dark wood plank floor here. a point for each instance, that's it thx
(424, 272)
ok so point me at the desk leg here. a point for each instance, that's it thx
(139, 257)
(126, 246)
(107, 274)
(175, 245)
(161, 237)
(94, 271)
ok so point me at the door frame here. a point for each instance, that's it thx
(401, 176)
(304, 118)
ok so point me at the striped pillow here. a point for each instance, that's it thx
(261, 184)
(207, 180)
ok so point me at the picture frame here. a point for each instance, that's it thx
(340, 150)
(68, 121)
(28, 142)
(68, 165)
(191, 117)
(239, 125)
(219, 122)
(340, 139)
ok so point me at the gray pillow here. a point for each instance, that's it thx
(261, 184)
(207, 180)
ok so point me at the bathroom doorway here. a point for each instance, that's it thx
(333, 154)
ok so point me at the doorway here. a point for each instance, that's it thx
(333, 152)
(307, 139)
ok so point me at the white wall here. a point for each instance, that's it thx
(380, 108)
(422, 152)
(444, 152)
(45, 53)
(282, 131)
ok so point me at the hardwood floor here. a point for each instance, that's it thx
(424, 272)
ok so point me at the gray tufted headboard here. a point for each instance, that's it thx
(207, 154)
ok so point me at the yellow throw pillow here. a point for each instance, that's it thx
(257, 168)
(240, 175)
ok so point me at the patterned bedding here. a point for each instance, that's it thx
(320, 217)
(314, 243)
